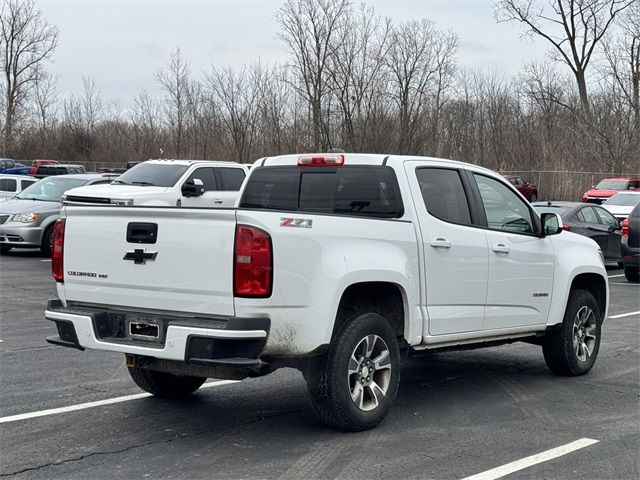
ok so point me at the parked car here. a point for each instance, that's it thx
(49, 170)
(26, 221)
(631, 245)
(528, 190)
(334, 264)
(39, 163)
(10, 166)
(608, 187)
(621, 204)
(10, 185)
(591, 221)
(183, 183)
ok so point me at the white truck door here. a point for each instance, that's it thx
(455, 251)
(520, 262)
(211, 196)
(230, 180)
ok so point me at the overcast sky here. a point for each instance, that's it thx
(121, 43)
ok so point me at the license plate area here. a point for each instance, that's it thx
(140, 328)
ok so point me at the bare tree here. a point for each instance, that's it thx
(312, 29)
(622, 54)
(45, 99)
(26, 41)
(175, 81)
(573, 27)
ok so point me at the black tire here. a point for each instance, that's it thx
(165, 385)
(534, 197)
(330, 384)
(562, 348)
(632, 273)
(47, 238)
(4, 250)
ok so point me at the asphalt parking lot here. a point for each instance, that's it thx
(457, 414)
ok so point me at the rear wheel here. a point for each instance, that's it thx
(166, 385)
(47, 242)
(354, 385)
(632, 273)
(573, 348)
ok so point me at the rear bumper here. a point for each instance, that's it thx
(223, 341)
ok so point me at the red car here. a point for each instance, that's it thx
(609, 187)
(528, 190)
(39, 163)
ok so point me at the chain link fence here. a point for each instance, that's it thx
(561, 185)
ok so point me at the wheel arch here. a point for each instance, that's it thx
(386, 298)
(595, 284)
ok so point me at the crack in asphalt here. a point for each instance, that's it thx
(146, 444)
(611, 390)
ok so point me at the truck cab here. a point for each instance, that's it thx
(178, 183)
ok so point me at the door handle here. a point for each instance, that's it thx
(217, 201)
(440, 243)
(501, 248)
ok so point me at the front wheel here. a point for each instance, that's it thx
(47, 242)
(354, 385)
(4, 250)
(573, 348)
(166, 385)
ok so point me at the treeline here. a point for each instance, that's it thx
(360, 82)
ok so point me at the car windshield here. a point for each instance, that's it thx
(559, 209)
(50, 189)
(626, 199)
(152, 174)
(612, 185)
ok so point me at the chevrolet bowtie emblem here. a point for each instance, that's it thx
(139, 256)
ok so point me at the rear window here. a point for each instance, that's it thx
(358, 190)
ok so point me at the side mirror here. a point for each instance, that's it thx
(193, 188)
(551, 224)
(632, 188)
(613, 228)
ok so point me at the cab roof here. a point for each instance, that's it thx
(192, 162)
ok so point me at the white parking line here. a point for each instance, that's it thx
(622, 315)
(98, 403)
(627, 284)
(45, 260)
(615, 276)
(532, 460)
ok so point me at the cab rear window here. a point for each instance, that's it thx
(358, 190)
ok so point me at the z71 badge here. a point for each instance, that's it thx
(296, 222)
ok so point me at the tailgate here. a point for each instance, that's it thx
(188, 268)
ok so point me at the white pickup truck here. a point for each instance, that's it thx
(333, 264)
(181, 183)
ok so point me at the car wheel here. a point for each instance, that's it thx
(47, 242)
(4, 250)
(534, 197)
(354, 385)
(572, 349)
(632, 273)
(166, 385)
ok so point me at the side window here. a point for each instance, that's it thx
(513, 181)
(8, 185)
(232, 178)
(443, 194)
(26, 183)
(503, 208)
(207, 175)
(587, 215)
(606, 217)
(635, 184)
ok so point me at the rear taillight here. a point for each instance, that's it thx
(321, 160)
(625, 227)
(57, 251)
(253, 264)
(566, 227)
